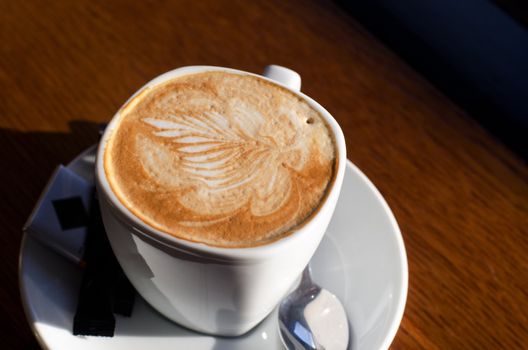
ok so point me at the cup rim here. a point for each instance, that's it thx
(123, 214)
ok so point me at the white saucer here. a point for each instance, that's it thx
(361, 259)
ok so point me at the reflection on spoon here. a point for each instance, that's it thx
(312, 318)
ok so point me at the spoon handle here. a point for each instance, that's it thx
(306, 277)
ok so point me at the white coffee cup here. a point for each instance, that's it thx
(221, 291)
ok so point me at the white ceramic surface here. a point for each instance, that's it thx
(222, 291)
(361, 259)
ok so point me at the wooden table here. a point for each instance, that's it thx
(460, 197)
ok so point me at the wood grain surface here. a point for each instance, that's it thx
(460, 197)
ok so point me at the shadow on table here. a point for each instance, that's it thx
(27, 160)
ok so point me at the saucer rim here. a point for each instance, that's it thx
(404, 278)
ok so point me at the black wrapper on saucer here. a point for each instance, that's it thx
(124, 295)
(104, 289)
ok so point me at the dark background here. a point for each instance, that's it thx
(475, 51)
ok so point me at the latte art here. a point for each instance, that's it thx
(230, 157)
(220, 158)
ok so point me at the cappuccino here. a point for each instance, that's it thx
(224, 159)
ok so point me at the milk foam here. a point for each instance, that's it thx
(222, 159)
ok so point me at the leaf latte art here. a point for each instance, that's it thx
(231, 158)
(219, 158)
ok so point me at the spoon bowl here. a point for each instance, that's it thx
(312, 318)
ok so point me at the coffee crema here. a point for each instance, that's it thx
(224, 159)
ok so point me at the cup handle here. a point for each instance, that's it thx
(283, 75)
